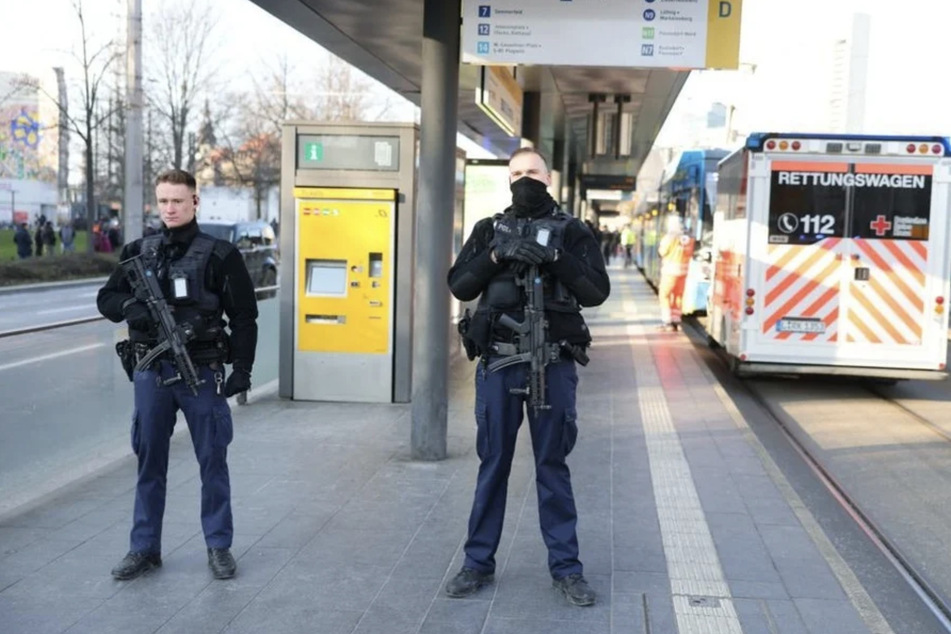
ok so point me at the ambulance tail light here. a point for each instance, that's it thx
(750, 301)
(939, 305)
(936, 149)
(911, 147)
(796, 145)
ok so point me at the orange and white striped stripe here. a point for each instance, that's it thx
(889, 307)
(803, 281)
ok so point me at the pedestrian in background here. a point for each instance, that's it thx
(38, 240)
(21, 237)
(67, 236)
(627, 243)
(203, 279)
(675, 249)
(496, 255)
(49, 237)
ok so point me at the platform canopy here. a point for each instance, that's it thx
(383, 38)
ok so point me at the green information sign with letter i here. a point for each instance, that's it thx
(348, 152)
(314, 151)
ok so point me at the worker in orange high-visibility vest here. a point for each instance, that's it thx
(676, 249)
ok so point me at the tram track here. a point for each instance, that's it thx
(930, 425)
(931, 597)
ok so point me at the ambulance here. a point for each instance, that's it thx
(831, 256)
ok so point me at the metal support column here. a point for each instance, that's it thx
(437, 151)
(134, 140)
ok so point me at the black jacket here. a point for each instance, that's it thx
(24, 242)
(580, 268)
(227, 277)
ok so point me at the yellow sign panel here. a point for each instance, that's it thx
(345, 272)
(723, 33)
(345, 193)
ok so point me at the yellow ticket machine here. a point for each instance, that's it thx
(347, 213)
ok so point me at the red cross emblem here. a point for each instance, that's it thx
(880, 226)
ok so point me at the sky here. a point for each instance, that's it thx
(789, 42)
(249, 38)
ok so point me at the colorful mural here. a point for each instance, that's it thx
(25, 129)
(20, 137)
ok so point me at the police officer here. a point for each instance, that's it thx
(203, 280)
(499, 250)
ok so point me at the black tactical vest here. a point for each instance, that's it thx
(183, 281)
(502, 293)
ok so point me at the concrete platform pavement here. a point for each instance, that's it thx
(685, 525)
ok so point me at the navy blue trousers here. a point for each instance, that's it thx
(209, 423)
(554, 431)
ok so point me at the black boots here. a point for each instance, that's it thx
(575, 589)
(221, 563)
(467, 582)
(134, 564)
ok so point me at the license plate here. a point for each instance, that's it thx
(795, 324)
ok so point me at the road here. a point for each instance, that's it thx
(65, 400)
(40, 307)
(66, 403)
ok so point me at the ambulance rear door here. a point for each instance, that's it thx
(797, 260)
(897, 264)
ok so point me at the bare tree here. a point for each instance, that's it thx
(250, 152)
(343, 94)
(274, 98)
(182, 44)
(95, 63)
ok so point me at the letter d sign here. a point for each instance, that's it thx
(726, 9)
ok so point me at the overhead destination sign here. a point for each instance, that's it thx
(500, 96)
(647, 33)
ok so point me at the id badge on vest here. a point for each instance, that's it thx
(179, 285)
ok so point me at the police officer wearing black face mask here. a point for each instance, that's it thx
(203, 280)
(499, 250)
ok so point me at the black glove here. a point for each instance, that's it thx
(238, 381)
(137, 315)
(535, 253)
(528, 251)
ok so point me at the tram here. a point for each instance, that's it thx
(831, 255)
(689, 189)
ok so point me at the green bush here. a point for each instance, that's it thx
(70, 266)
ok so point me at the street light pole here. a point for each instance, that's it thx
(133, 203)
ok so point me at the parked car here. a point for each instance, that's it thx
(256, 242)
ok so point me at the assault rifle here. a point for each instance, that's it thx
(532, 346)
(172, 336)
